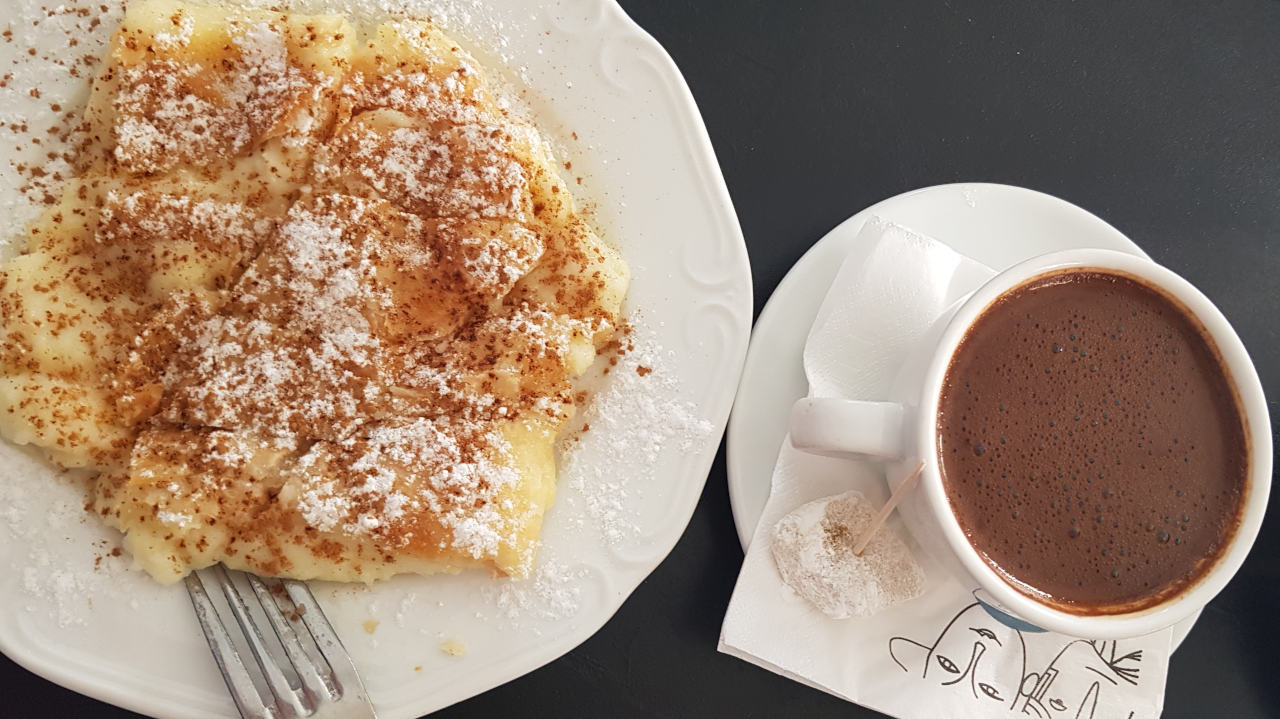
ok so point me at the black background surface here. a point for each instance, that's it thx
(1163, 118)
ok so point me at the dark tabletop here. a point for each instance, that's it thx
(1163, 118)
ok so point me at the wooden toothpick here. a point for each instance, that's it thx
(894, 498)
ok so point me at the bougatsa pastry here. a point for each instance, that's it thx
(313, 306)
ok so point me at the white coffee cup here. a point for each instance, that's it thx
(904, 427)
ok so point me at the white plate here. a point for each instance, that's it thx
(997, 225)
(607, 92)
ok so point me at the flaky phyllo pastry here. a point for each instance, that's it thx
(313, 305)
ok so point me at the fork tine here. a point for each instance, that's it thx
(314, 682)
(243, 692)
(276, 681)
(350, 686)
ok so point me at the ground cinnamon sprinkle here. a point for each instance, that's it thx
(311, 306)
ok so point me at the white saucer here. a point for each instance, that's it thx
(997, 225)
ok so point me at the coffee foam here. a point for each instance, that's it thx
(1073, 440)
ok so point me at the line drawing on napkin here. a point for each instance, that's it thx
(978, 652)
(959, 651)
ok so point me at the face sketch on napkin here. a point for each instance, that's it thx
(1071, 684)
(971, 652)
(987, 659)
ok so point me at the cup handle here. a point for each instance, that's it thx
(838, 427)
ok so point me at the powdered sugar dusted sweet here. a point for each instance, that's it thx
(645, 369)
(334, 353)
(813, 550)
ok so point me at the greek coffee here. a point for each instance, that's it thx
(1091, 443)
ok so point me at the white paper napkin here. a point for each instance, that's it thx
(941, 655)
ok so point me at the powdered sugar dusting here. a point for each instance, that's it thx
(179, 37)
(634, 416)
(466, 171)
(165, 115)
(474, 21)
(37, 507)
(42, 93)
(552, 593)
(323, 507)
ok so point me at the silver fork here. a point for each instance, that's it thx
(316, 679)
